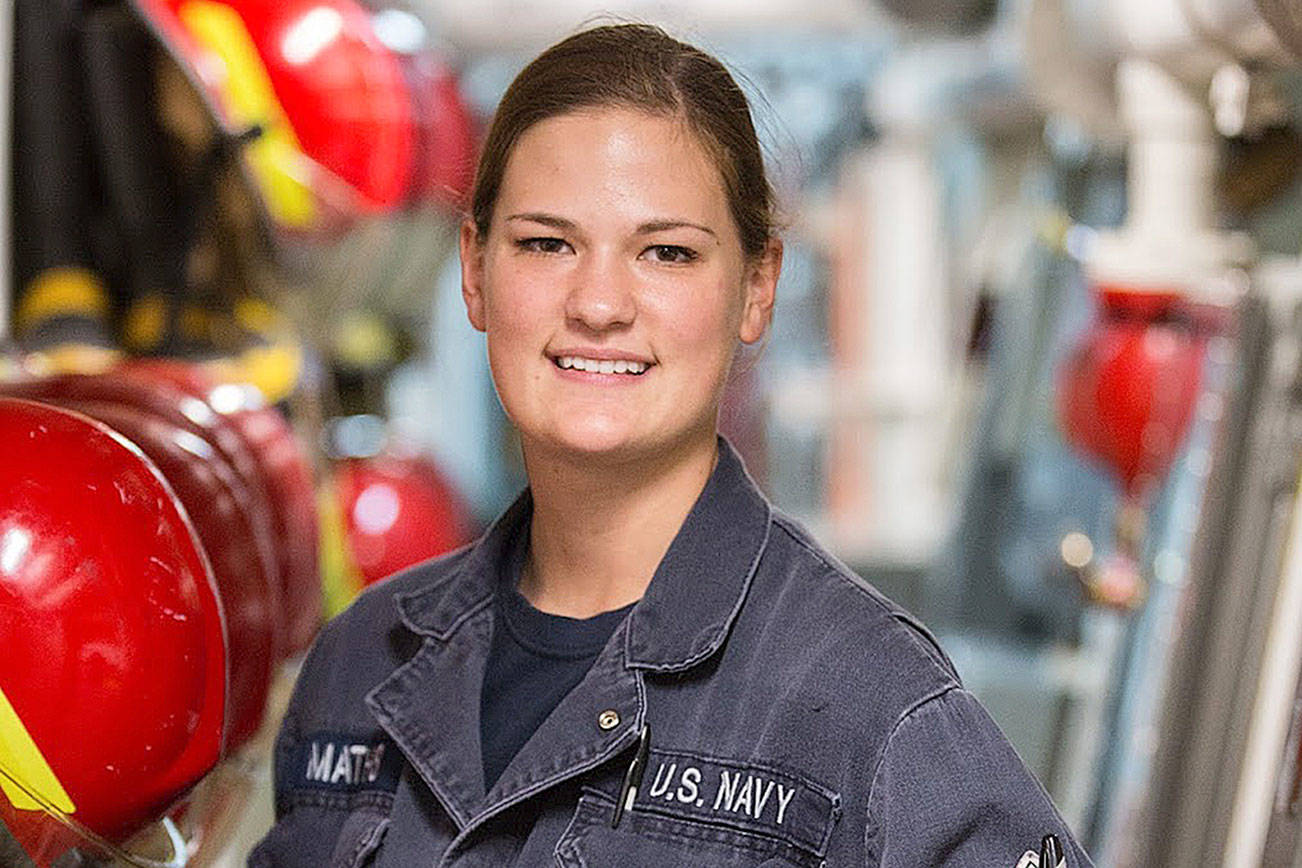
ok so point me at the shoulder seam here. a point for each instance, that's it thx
(914, 637)
(782, 522)
(886, 746)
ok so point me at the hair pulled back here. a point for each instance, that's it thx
(636, 66)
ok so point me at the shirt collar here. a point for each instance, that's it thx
(438, 608)
(691, 602)
(702, 580)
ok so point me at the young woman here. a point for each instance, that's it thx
(642, 663)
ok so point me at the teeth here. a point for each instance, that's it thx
(601, 366)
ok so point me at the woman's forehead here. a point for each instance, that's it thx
(616, 162)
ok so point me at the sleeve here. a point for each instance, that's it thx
(307, 694)
(295, 838)
(950, 790)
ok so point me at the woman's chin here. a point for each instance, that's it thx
(594, 439)
(596, 444)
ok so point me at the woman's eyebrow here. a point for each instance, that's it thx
(546, 219)
(662, 225)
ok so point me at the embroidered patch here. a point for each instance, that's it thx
(746, 795)
(344, 763)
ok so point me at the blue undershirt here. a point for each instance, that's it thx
(535, 660)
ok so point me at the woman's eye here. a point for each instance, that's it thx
(670, 253)
(542, 245)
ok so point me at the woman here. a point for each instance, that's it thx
(642, 662)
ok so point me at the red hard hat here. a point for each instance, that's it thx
(444, 153)
(177, 408)
(331, 100)
(445, 164)
(291, 491)
(113, 676)
(398, 510)
(207, 488)
(167, 402)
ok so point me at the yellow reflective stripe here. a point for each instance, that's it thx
(144, 323)
(255, 315)
(59, 292)
(248, 98)
(273, 360)
(274, 369)
(36, 787)
(72, 359)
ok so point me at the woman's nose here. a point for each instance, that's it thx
(602, 296)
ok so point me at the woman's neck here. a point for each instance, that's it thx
(599, 531)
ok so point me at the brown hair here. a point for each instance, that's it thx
(641, 67)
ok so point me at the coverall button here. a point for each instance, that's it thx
(608, 719)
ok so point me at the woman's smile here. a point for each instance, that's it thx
(582, 364)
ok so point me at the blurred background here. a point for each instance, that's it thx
(1035, 370)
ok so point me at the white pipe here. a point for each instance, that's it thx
(478, 26)
(1177, 30)
(1172, 153)
(1150, 27)
(1170, 239)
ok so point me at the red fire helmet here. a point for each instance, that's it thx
(444, 162)
(446, 158)
(334, 108)
(113, 676)
(397, 510)
(208, 490)
(283, 466)
(174, 405)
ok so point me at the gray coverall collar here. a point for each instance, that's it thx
(692, 599)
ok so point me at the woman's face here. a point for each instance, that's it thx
(612, 285)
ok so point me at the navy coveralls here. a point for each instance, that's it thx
(796, 717)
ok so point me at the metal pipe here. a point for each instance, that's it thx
(6, 170)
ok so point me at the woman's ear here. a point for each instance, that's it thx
(761, 290)
(472, 273)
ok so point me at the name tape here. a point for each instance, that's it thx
(752, 797)
(339, 762)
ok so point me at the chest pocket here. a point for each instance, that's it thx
(697, 810)
(652, 841)
(324, 836)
